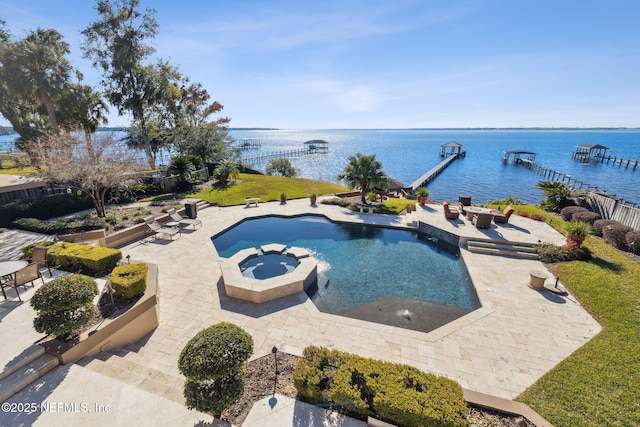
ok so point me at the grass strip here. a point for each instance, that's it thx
(267, 188)
(599, 384)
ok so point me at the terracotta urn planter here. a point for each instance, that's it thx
(283, 198)
(313, 198)
(574, 239)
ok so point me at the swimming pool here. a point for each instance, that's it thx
(363, 269)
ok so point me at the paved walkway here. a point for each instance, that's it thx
(502, 348)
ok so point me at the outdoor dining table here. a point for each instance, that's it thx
(9, 268)
(472, 210)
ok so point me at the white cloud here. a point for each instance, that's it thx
(350, 98)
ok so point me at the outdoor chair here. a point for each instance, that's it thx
(156, 228)
(502, 216)
(449, 212)
(40, 257)
(182, 221)
(482, 220)
(464, 201)
(26, 275)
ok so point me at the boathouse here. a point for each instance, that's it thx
(586, 152)
(529, 156)
(317, 146)
(450, 148)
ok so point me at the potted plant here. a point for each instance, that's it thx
(283, 197)
(577, 231)
(313, 197)
(422, 194)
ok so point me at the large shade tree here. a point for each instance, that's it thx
(364, 172)
(196, 132)
(40, 92)
(117, 44)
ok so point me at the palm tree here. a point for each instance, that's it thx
(182, 166)
(227, 168)
(364, 172)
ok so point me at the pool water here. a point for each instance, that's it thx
(360, 264)
(267, 266)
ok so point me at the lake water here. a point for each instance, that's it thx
(407, 154)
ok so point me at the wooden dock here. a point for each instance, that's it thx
(432, 173)
(574, 183)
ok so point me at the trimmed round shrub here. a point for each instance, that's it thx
(64, 304)
(213, 362)
(129, 280)
(632, 239)
(585, 216)
(615, 235)
(214, 396)
(601, 224)
(567, 212)
(215, 351)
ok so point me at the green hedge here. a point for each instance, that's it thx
(43, 208)
(73, 256)
(129, 280)
(60, 226)
(399, 394)
(27, 251)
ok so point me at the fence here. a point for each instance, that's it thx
(612, 209)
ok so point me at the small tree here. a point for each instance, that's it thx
(226, 169)
(282, 167)
(94, 165)
(213, 362)
(64, 304)
(365, 172)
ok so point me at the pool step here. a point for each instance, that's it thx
(502, 248)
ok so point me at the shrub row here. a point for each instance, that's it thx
(585, 216)
(27, 251)
(399, 394)
(60, 226)
(43, 208)
(550, 253)
(76, 257)
(129, 280)
(567, 212)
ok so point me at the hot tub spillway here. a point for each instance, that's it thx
(268, 273)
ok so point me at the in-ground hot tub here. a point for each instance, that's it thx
(269, 273)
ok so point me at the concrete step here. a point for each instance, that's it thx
(22, 376)
(139, 375)
(27, 356)
(502, 248)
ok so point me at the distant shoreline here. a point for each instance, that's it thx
(6, 130)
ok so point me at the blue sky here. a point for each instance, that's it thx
(389, 64)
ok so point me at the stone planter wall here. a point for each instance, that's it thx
(127, 328)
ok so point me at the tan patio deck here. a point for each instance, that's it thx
(499, 349)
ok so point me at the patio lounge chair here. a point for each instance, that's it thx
(156, 228)
(23, 276)
(482, 220)
(449, 212)
(39, 256)
(502, 216)
(182, 221)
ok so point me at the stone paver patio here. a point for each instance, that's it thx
(499, 349)
(502, 348)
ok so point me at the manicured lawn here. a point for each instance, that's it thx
(599, 384)
(268, 188)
